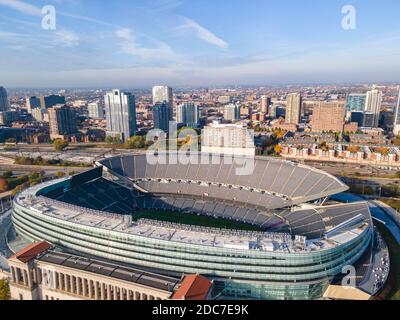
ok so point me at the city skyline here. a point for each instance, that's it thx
(195, 43)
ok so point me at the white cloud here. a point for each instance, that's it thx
(66, 38)
(21, 7)
(130, 45)
(125, 34)
(202, 33)
(169, 4)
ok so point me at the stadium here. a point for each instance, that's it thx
(272, 234)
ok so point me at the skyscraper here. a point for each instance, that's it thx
(95, 110)
(328, 116)
(373, 104)
(355, 102)
(62, 122)
(232, 112)
(396, 124)
(162, 94)
(187, 114)
(32, 103)
(162, 115)
(293, 108)
(51, 100)
(120, 114)
(265, 102)
(4, 103)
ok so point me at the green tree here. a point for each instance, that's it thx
(117, 139)
(60, 174)
(35, 178)
(278, 149)
(7, 174)
(4, 290)
(113, 140)
(109, 140)
(60, 144)
(135, 142)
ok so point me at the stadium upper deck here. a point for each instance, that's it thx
(270, 183)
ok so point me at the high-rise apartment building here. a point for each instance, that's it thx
(232, 112)
(162, 115)
(328, 116)
(293, 108)
(7, 117)
(40, 115)
(396, 124)
(232, 139)
(120, 114)
(187, 114)
(62, 122)
(4, 103)
(373, 104)
(95, 110)
(50, 101)
(162, 94)
(355, 102)
(265, 102)
(32, 103)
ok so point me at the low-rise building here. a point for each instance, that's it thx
(39, 272)
(281, 124)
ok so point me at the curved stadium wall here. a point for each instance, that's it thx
(237, 273)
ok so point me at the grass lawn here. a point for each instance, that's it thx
(193, 219)
(392, 288)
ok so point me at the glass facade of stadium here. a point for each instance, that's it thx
(237, 273)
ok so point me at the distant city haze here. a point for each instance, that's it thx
(144, 43)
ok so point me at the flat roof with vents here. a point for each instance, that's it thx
(129, 274)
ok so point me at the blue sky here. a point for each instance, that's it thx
(139, 43)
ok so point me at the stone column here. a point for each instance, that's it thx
(66, 283)
(39, 276)
(109, 292)
(58, 281)
(30, 279)
(116, 293)
(96, 290)
(62, 282)
(13, 276)
(78, 286)
(73, 284)
(102, 291)
(84, 286)
(24, 278)
(90, 284)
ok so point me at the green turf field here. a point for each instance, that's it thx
(193, 219)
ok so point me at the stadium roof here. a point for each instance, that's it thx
(230, 240)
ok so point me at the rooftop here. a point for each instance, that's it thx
(230, 240)
(107, 269)
(193, 287)
(31, 252)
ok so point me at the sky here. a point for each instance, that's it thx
(140, 43)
